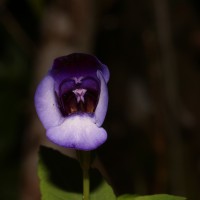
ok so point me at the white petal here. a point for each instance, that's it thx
(102, 105)
(78, 132)
(46, 104)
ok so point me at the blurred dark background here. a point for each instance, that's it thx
(152, 49)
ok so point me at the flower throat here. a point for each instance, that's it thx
(78, 99)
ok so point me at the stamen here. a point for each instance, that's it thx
(77, 80)
(78, 100)
(79, 93)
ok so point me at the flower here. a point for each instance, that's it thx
(71, 101)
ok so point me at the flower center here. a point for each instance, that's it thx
(79, 93)
(78, 100)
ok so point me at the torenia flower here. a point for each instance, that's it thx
(71, 101)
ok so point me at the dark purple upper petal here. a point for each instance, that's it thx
(77, 65)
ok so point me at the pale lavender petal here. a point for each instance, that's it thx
(78, 132)
(46, 104)
(101, 108)
(106, 73)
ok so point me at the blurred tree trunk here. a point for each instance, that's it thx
(66, 27)
(171, 100)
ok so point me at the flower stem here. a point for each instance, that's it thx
(86, 184)
(84, 158)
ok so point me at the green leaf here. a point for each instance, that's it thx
(61, 178)
(150, 197)
(49, 191)
(104, 191)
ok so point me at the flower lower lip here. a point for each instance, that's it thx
(81, 114)
(78, 132)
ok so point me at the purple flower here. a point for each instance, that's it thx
(71, 101)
